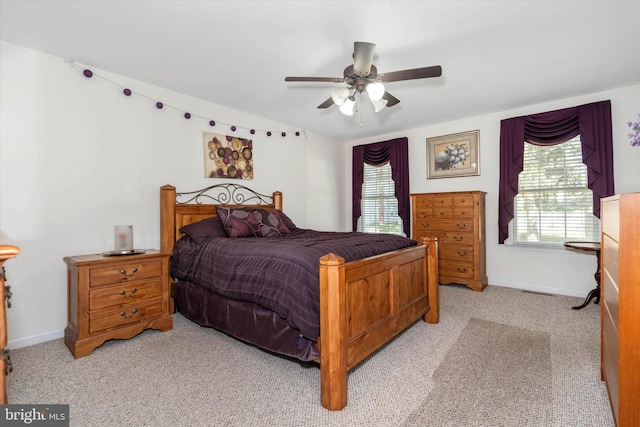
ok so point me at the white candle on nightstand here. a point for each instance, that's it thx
(124, 237)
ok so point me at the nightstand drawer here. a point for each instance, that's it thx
(126, 313)
(124, 272)
(124, 293)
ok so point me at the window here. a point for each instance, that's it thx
(379, 203)
(553, 204)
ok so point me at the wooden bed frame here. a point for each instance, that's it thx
(363, 304)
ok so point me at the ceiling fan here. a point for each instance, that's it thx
(363, 76)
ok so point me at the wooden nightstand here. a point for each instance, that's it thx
(115, 297)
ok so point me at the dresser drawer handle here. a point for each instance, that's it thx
(462, 269)
(133, 312)
(462, 253)
(463, 212)
(458, 238)
(425, 224)
(8, 367)
(124, 293)
(443, 213)
(133, 271)
(462, 225)
(463, 200)
(7, 295)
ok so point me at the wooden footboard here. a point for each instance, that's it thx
(364, 304)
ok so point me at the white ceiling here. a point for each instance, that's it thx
(495, 55)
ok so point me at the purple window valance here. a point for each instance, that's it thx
(591, 121)
(396, 152)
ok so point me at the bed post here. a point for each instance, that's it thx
(277, 200)
(333, 339)
(167, 218)
(168, 230)
(431, 270)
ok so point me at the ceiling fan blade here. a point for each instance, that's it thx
(315, 79)
(363, 58)
(391, 100)
(326, 104)
(416, 73)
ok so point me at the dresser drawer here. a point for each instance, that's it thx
(456, 253)
(423, 212)
(124, 272)
(463, 200)
(455, 268)
(463, 212)
(442, 225)
(108, 296)
(123, 314)
(456, 238)
(443, 211)
(442, 201)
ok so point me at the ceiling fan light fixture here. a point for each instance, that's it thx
(347, 107)
(379, 104)
(339, 96)
(375, 90)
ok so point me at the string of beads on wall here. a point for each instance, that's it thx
(160, 105)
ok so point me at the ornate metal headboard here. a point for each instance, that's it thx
(180, 209)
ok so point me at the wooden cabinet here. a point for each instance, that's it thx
(458, 221)
(115, 298)
(7, 251)
(620, 309)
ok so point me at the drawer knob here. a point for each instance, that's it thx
(442, 212)
(463, 200)
(462, 269)
(463, 212)
(464, 225)
(462, 253)
(133, 312)
(124, 293)
(425, 224)
(133, 271)
(458, 238)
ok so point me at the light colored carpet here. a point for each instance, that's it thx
(502, 372)
(194, 376)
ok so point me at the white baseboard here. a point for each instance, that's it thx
(541, 289)
(36, 339)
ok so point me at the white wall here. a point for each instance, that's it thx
(78, 157)
(554, 271)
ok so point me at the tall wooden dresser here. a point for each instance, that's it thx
(458, 221)
(620, 309)
(7, 251)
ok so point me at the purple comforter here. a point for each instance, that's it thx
(281, 273)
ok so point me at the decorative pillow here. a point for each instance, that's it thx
(287, 221)
(271, 222)
(239, 222)
(204, 229)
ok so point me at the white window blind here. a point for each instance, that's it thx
(379, 204)
(554, 204)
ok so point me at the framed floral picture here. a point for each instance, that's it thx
(453, 155)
